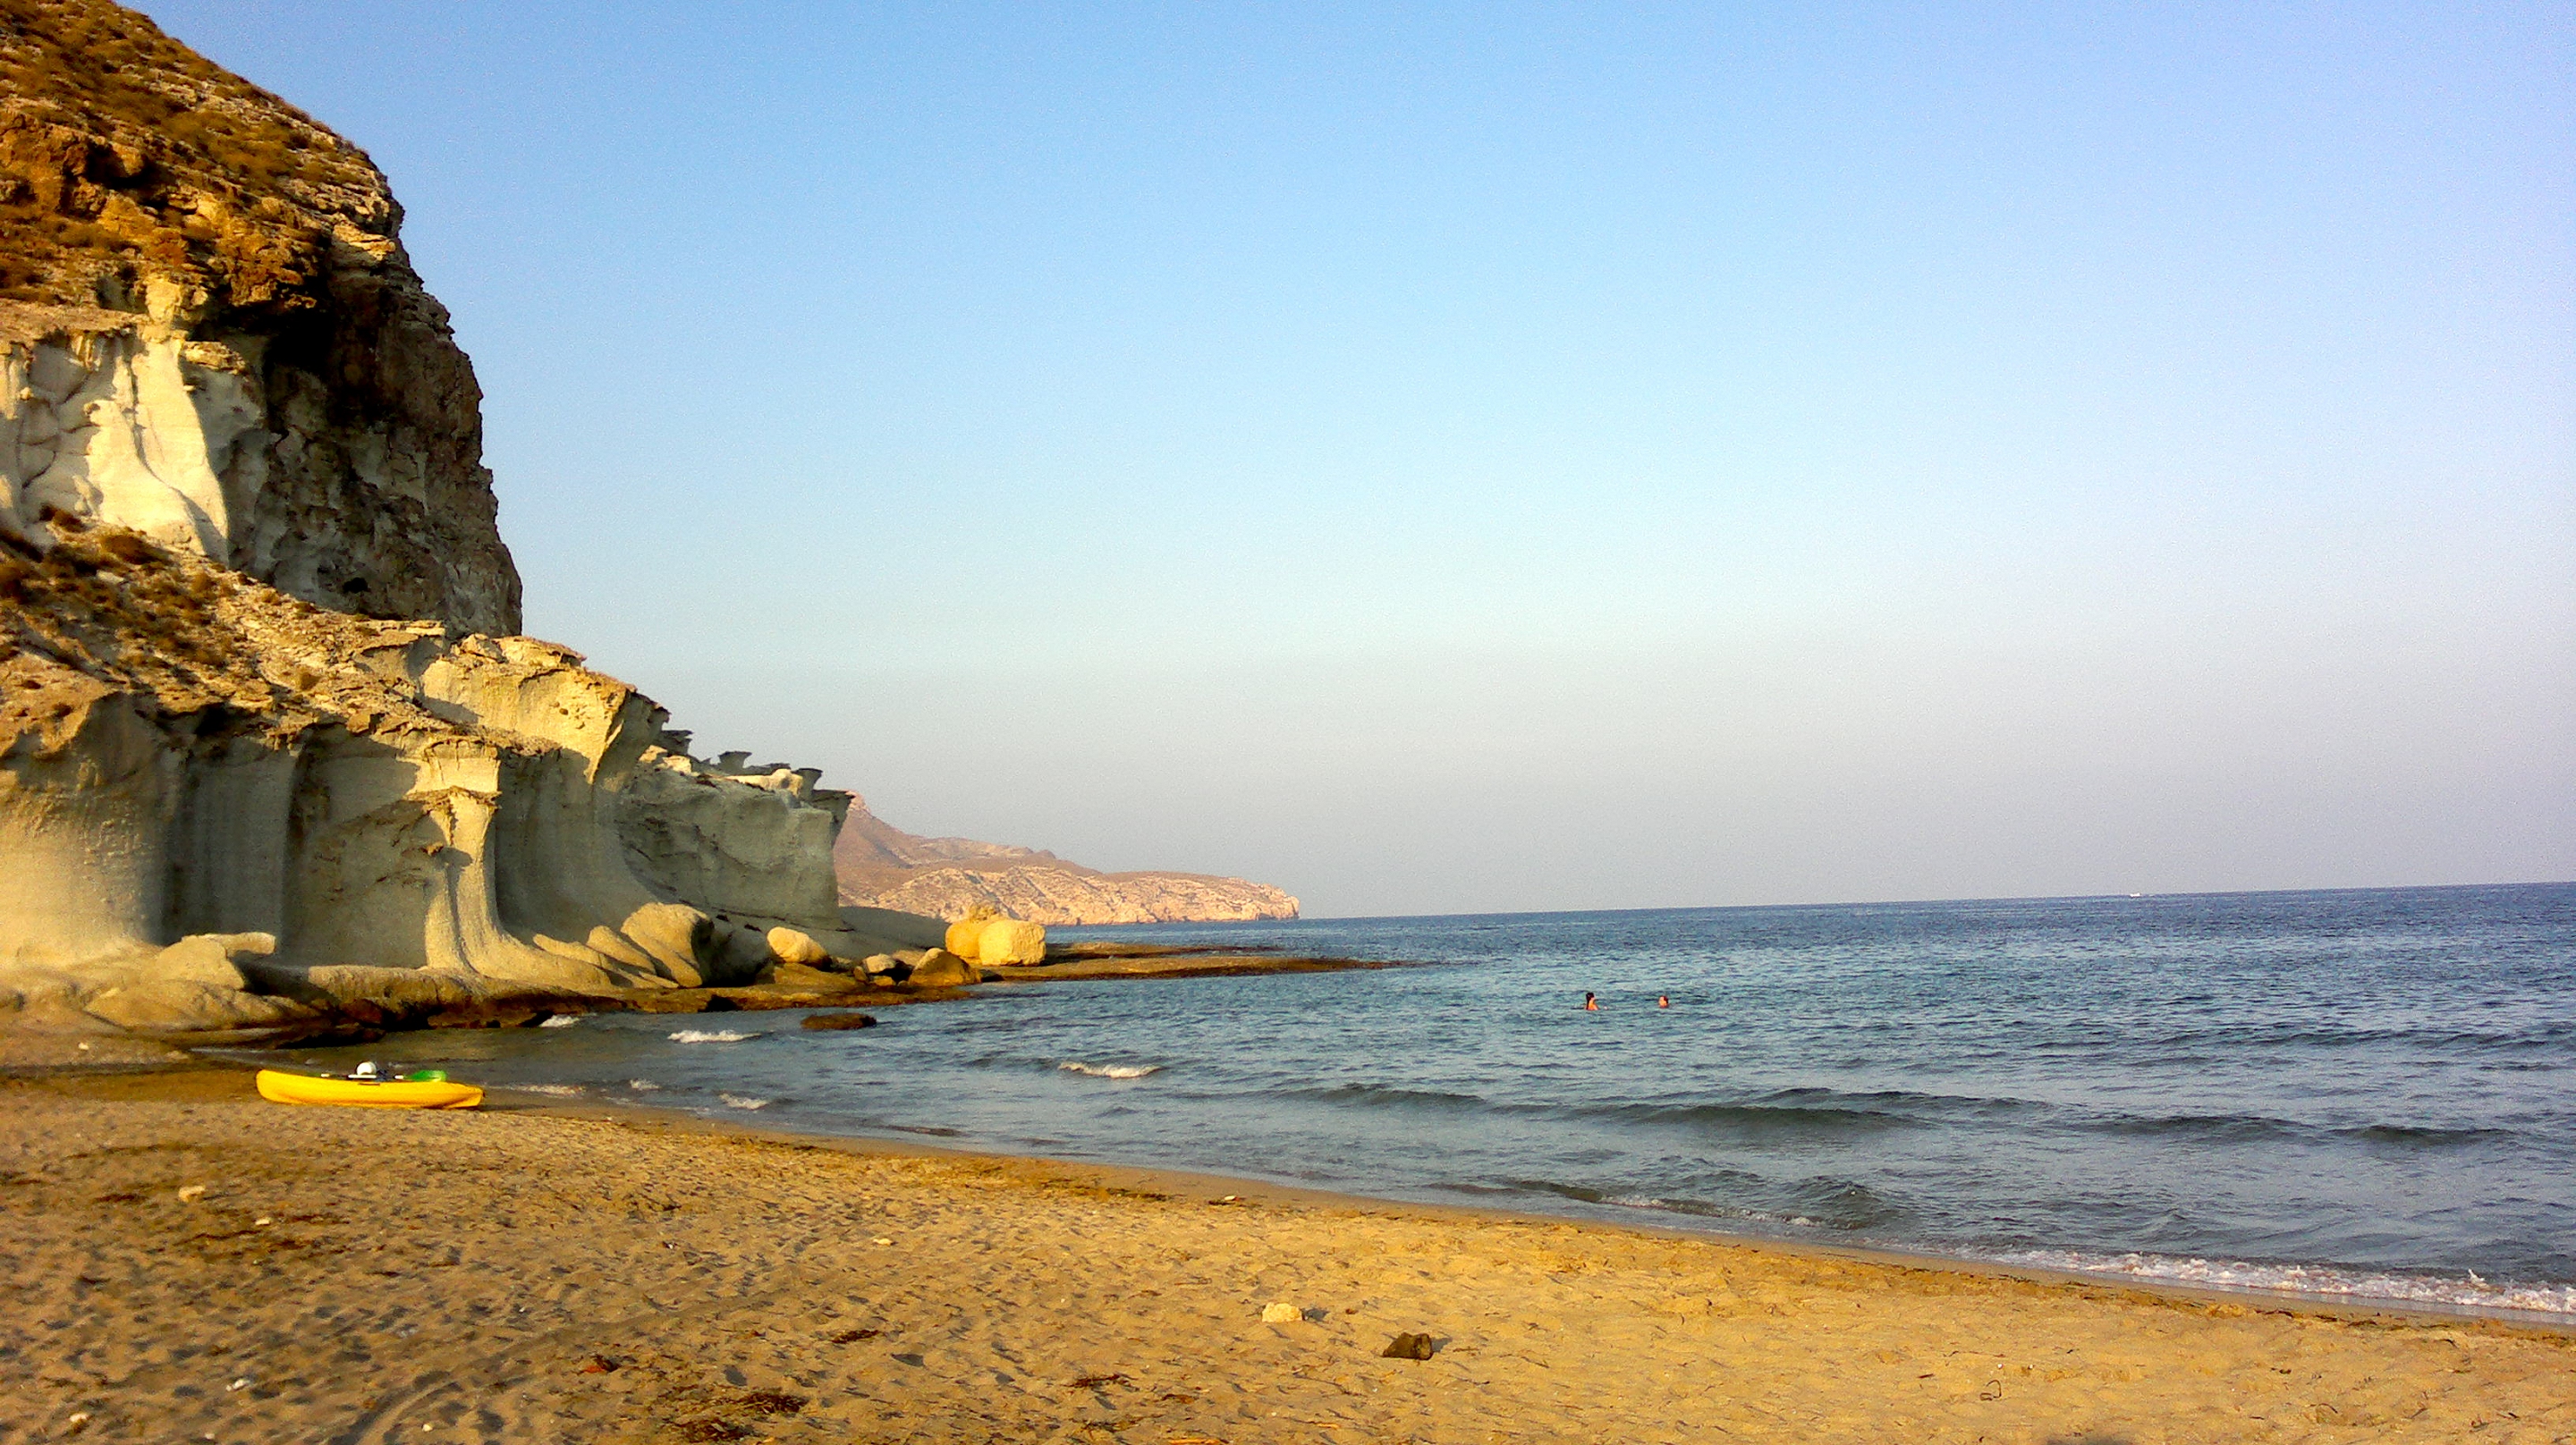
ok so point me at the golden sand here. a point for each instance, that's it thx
(520, 1274)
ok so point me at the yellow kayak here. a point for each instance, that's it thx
(391, 1094)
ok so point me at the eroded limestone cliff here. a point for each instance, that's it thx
(269, 749)
(221, 806)
(884, 867)
(209, 332)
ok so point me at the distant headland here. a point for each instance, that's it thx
(882, 866)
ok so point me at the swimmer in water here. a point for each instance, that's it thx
(1591, 1004)
(1663, 1000)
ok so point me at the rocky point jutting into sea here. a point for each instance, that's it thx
(882, 866)
(272, 753)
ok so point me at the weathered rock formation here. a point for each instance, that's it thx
(223, 806)
(216, 338)
(883, 866)
(268, 747)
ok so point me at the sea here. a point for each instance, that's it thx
(2363, 1096)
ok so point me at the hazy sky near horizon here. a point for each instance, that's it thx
(1478, 457)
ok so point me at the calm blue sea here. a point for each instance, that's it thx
(2341, 1093)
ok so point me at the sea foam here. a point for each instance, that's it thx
(1111, 1071)
(2312, 1281)
(711, 1036)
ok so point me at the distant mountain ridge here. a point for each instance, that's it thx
(882, 866)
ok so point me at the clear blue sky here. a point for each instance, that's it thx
(1469, 457)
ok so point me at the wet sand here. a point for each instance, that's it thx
(529, 1273)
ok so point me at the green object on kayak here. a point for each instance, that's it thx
(426, 1076)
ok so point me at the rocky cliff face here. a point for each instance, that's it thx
(209, 333)
(882, 866)
(224, 807)
(268, 745)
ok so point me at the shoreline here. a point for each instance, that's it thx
(191, 1260)
(1251, 1186)
(641, 1112)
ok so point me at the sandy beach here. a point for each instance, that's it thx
(188, 1262)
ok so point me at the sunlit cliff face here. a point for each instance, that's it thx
(268, 744)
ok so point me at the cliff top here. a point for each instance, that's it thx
(126, 158)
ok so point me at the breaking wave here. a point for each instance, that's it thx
(2313, 1281)
(1110, 1071)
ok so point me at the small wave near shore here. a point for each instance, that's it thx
(1110, 1071)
